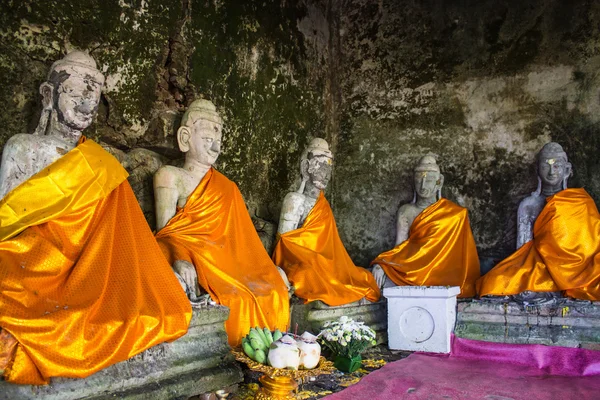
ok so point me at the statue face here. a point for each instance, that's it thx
(77, 101)
(427, 183)
(319, 170)
(553, 170)
(205, 141)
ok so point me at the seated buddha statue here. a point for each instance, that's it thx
(434, 243)
(558, 240)
(206, 232)
(83, 283)
(309, 248)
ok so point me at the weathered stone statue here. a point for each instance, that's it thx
(558, 239)
(309, 249)
(434, 242)
(83, 283)
(206, 233)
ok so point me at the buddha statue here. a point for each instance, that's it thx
(558, 240)
(309, 248)
(83, 283)
(207, 235)
(434, 242)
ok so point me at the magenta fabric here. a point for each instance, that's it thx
(481, 370)
(552, 360)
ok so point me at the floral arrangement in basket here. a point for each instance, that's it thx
(347, 339)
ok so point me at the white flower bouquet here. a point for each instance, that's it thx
(346, 337)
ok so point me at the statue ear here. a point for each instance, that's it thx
(183, 138)
(568, 173)
(47, 92)
(304, 170)
(568, 170)
(440, 181)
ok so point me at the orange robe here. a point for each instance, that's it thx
(214, 232)
(317, 264)
(83, 283)
(440, 251)
(564, 254)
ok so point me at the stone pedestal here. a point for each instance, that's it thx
(421, 318)
(196, 363)
(569, 324)
(311, 317)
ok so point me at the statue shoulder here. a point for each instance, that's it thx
(22, 143)
(293, 201)
(408, 209)
(531, 204)
(167, 176)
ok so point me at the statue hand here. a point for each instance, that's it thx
(288, 285)
(186, 270)
(379, 275)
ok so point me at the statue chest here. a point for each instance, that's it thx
(307, 206)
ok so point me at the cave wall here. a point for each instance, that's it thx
(482, 85)
(263, 63)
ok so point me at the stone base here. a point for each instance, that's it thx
(311, 317)
(569, 324)
(196, 363)
(421, 318)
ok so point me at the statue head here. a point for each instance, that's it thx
(316, 163)
(428, 179)
(199, 135)
(71, 93)
(553, 167)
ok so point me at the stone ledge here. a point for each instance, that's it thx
(569, 324)
(311, 316)
(196, 363)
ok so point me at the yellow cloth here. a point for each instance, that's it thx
(83, 283)
(317, 264)
(440, 251)
(564, 254)
(214, 232)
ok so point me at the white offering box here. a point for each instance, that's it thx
(421, 318)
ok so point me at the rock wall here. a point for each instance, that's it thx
(263, 63)
(482, 84)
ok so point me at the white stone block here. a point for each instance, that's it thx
(421, 318)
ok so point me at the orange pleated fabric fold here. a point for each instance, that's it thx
(214, 232)
(440, 251)
(564, 254)
(83, 283)
(318, 265)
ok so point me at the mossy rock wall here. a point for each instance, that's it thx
(481, 84)
(263, 63)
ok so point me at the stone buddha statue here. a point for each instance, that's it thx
(553, 170)
(434, 242)
(309, 248)
(75, 247)
(558, 234)
(207, 235)
(70, 98)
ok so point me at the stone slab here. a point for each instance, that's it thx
(421, 318)
(569, 324)
(196, 363)
(311, 316)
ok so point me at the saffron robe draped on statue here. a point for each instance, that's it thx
(317, 264)
(440, 251)
(214, 232)
(564, 254)
(83, 283)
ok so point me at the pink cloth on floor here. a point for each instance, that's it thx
(482, 370)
